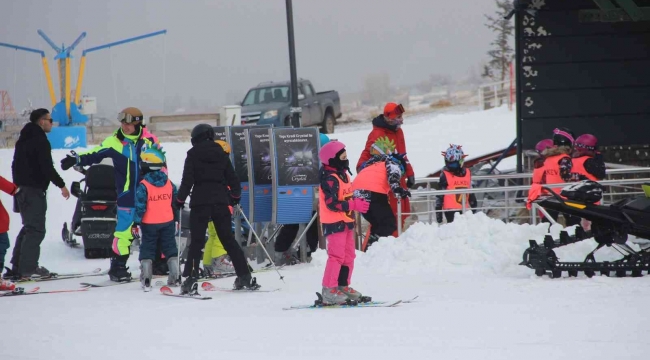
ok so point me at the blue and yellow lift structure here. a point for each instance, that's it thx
(63, 112)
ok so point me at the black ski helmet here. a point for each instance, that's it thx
(563, 137)
(202, 132)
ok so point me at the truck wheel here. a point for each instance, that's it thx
(328, 124)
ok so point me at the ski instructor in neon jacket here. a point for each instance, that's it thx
(124, 148)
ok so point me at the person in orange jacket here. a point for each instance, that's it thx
(388, 127)
(11, 189)
(557, 169)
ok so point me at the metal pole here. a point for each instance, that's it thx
(295, 111)
(518, 101)
(294, 246)
(399, 216)
(259, 241)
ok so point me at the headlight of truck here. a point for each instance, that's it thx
(270, 114)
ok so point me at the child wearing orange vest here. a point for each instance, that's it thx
(454, 176)
(557, 169)
(587, 162)
(336, 206)
(379, 177)
(156, 216)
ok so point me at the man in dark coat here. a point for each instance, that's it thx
(207, 174)
(32, 171)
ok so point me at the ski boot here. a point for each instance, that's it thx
(146, 273)
(332, 296)
(7, 285)
(174, 277)
(118, 271)
(246, 282)
(190, 286)
(354, 294)
(221, 265)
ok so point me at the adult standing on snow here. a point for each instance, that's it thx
(32, 171)
(388, 127)
(124, 148)
(210, 177)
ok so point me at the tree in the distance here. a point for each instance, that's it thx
(502, 53)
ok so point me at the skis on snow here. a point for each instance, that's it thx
(209, 287)
(318, 304)
(36, 291)
(56, 276)
(167, 291)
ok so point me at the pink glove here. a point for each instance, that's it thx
(359, 205)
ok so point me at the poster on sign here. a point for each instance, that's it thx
(220, 133)
(259, 174)
(297, 155)
(295, 167)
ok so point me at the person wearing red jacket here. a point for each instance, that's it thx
(387, 127)
(11, 189)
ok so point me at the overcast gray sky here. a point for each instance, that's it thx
(216, 50)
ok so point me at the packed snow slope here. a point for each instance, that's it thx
(475, 301)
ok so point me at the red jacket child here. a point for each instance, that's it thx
(11, 189)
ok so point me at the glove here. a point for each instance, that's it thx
(68, 162)
(360, 205)
(178, 204)
(410, 182)
(234, 201)
(402, 193)
(135, 231)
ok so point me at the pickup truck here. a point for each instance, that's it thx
(270, 103)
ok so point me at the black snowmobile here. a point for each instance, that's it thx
(610, 226)
(95, 215)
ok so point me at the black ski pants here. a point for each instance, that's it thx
(222, 220)
(32, 204)
(289, 232)
(380, 216)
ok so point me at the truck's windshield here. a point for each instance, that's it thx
(267, 95)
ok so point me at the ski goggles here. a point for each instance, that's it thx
(396, 112)
(128, 118)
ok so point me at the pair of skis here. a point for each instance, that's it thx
(56, 276)
(206, 286)
(346, 306)
(36, 291)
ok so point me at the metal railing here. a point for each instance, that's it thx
(511, 201)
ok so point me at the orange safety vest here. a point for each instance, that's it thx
(551, 173)
(328, 216)
(579, 167)
(455, 201)
(372, 178)
(159, 203)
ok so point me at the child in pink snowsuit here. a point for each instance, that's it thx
(336, 207)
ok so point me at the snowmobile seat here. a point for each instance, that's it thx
(100, 183)
(587, 191)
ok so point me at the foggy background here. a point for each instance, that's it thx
(216, 50)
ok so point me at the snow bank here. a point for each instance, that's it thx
(472, 244)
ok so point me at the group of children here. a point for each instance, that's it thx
(562, 159)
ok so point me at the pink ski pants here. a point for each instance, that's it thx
(340, 252)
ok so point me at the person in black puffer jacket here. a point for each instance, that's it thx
(207, 174)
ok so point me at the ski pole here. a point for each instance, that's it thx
(178, 248)
(295, 244)
(241, 211)
(399, 216)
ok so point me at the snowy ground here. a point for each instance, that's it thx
(474, 301)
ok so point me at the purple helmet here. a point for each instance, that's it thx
(586, 142)
(543, 145)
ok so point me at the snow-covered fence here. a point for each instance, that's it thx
(508, 202)
(496, 94)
